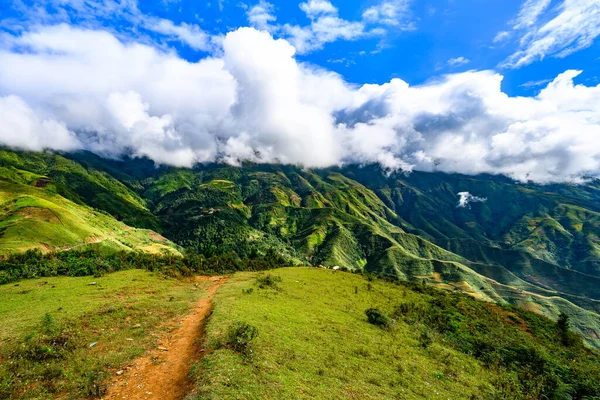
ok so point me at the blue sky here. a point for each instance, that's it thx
(472, 86)
(417, 45)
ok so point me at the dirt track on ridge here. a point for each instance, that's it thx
(163, 374)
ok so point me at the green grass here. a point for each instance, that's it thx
(314, 341)
(106, 313)
(33, 217)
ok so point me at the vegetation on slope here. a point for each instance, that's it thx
(34, 217)
(35, 264)
(536, 246)
(78, 182)
(315, 341)
(64, 337)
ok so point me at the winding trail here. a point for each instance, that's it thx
(163, 374)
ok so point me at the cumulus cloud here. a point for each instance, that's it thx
(21, 127)
(465, 198)
(570, 27)
(325, 27)
(67, 88)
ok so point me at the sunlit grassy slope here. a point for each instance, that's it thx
(314, 341)
(34, 217)
(120, 313)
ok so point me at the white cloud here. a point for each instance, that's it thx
(261, 15)
(388, 12)
(23, 128)
(501, 37)
(573, 26)
(465, 198)
(530, 12)
(183, 102)
(316, 7)
(532, 84)
(458, 61)
(326, 26)
(189, 34)
(257, 102)
(322, 30)
(96, 13)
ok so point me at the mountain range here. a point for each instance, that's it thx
(534, 246)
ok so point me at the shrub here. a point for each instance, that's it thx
(95, 383)
(376, 317)
(240, 336)
(6, 387)
(268, 281)
(35, 264)
(50, 342)
(425, 339)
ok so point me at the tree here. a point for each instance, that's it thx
(564, 334)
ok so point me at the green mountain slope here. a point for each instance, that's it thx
(34, 216)
(79, 183)
(530, 245)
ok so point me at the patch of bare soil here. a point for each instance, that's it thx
(156, 237)
(163, 374)
(38, 214)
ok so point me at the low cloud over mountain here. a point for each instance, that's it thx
(68, 88)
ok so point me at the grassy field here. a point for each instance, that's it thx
(299, 333)
(314, 342)
(49, 325)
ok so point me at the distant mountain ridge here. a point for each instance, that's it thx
(531, 245)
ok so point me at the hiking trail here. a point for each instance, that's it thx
(163, 373)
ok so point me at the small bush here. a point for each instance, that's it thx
(376, 317)
(240, 336)
(248, 291)
(50, 342)
(6, 387)
(425, 340)
(268, 281)
(95, 383)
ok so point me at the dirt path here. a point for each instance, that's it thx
(163, 374)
